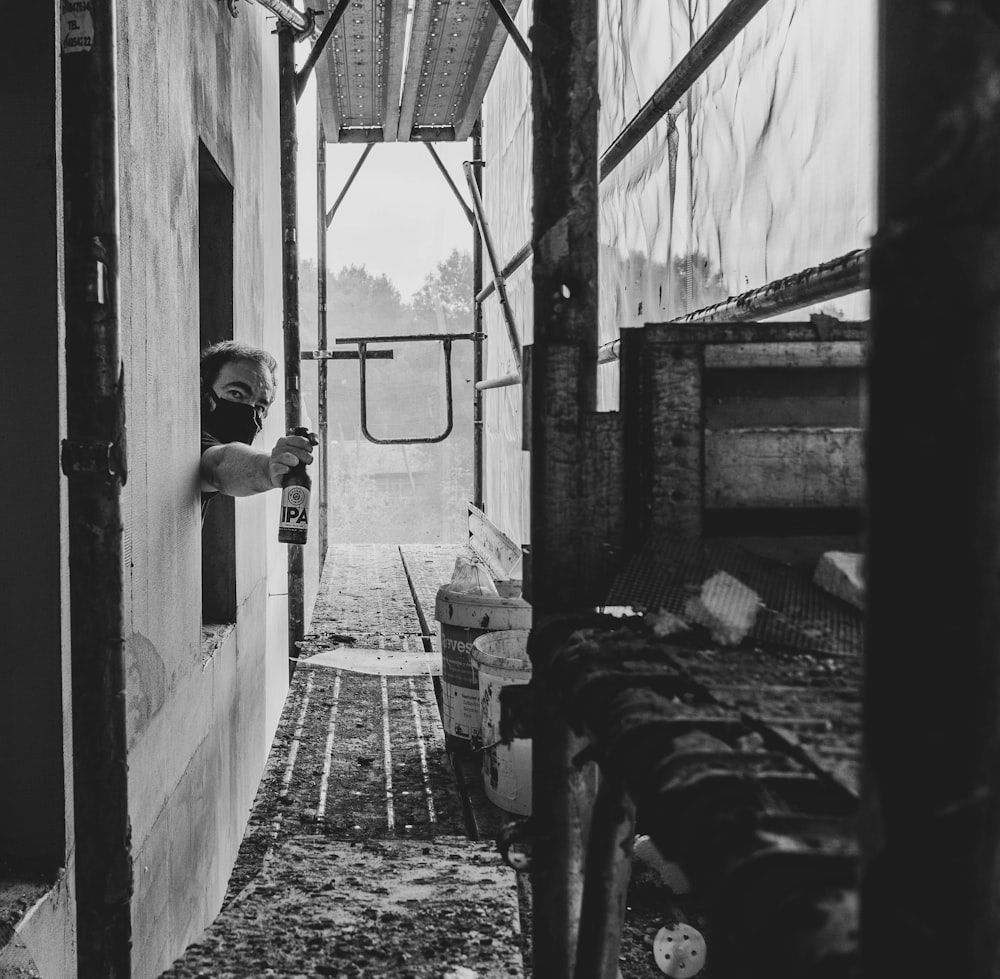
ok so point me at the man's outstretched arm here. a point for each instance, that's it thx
(236, 469)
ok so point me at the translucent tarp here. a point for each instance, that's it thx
(764, 169)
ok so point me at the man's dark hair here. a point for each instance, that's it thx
(215, 357)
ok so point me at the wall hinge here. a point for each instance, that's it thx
(90, 456)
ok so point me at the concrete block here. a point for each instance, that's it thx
(841, 573)
(726, 607)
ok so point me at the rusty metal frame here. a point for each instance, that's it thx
(287, 121)
(322, 371)
(95, 429)
(478, 442)
(445, 339)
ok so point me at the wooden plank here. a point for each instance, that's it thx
(813, 467)
(419, 36)
(364, 594)
(491, 545)
(673, 425)
(487, 55)
(430, 566)
(393, 61)
(604, 484)
(752, 333)
(802, 354)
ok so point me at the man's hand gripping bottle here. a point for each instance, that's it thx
(293, 527)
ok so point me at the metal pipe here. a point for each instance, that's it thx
(563, 380)
(606, 353)
(608, 869)
(515, 35)
(478, 364)
(350, 180)
(290, 304)
(734, 17)
(418, 440)
(520, 256)
(484, 229)
(322, 367)
(838, 277)
(94, 461)
(451, 183)
(933, 463)
(302, 78)
(302, 25)
(504, 381)
(409, 337)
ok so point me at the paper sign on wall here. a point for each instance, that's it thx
(77, 24)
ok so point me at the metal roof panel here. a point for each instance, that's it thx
(377, 84)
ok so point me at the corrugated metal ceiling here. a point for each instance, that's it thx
(399, 70)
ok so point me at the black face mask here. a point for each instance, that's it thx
(232, 421)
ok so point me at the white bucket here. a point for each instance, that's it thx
(502, 658)
(463, 618)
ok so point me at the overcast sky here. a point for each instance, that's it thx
(399, 217)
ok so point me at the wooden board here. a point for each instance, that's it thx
(500, 554)
(816, 467)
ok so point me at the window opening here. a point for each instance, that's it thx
(215, 317)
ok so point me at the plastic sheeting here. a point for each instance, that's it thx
(763, 169)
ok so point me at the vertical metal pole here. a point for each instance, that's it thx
(609, 869)
(477, 326)
(563, 398)
(322, 366)
(932, 670)
(103, 855)
(290, 298)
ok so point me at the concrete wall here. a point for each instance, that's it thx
(200, 721)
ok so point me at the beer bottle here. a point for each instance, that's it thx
(293, 527)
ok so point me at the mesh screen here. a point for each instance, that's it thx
(765, 168)
(793, 613)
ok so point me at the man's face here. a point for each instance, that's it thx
(244, 382)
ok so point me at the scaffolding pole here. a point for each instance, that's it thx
(322, 367)
(94, 462)
(560, 575)
(720, 34)
(477, 327)
(290, 302)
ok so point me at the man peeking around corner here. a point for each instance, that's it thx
(237, 388)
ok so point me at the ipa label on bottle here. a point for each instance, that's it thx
(293, 527)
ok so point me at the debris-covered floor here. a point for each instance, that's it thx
(367, 854)
(370, 852)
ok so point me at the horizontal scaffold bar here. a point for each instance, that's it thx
(839, 277)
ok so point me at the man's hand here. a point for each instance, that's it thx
(287, 453)
(236, 469)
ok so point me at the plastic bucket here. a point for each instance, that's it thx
(502, 659)
(463, 618)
